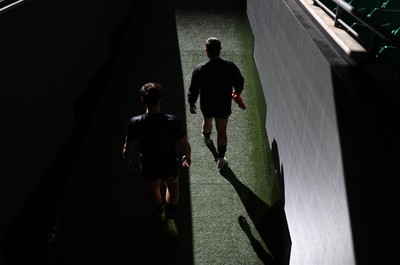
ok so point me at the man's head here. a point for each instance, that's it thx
(151, 93)
(213, 47)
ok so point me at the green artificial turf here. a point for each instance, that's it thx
(224, 217)
(247, 188)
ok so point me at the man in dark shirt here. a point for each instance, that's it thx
(156, 134)
(215, 80)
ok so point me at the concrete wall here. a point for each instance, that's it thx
(50, 53)
(323, 112)
(301, 118)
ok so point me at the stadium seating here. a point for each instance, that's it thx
(366, 6)
(362, 6)
(391, 4)
(385, 13)
(329, 4)
(388, 19)
(389, 53)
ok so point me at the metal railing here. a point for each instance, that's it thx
(8, 4)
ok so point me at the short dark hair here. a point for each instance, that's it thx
(151, 93)
(213, 46)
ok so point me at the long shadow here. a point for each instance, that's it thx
(278, 167)
(106, 217)
(264, 256)
(270, 222)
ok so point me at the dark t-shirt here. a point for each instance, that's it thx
(156, 134)
(214, 80)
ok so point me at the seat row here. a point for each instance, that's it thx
(385, 13)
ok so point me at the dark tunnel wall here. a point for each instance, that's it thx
(55, 59)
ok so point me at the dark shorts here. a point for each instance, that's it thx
(213, 108)
(163, 170)
(215, 114)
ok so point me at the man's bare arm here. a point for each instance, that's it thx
(186, 150)
(128, 151)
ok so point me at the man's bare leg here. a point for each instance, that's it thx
(222, 140)
(207, 125)
(221, 126)
(207, 128)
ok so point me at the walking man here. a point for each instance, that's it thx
(216, 81)
(156, 135)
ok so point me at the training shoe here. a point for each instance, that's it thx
(171, 228)
(221, 162)
(207, 141)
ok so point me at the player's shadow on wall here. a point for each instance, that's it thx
(270, 221)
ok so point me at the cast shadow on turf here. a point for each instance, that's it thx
(258, 248)
(267, 220)
(270, 222)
